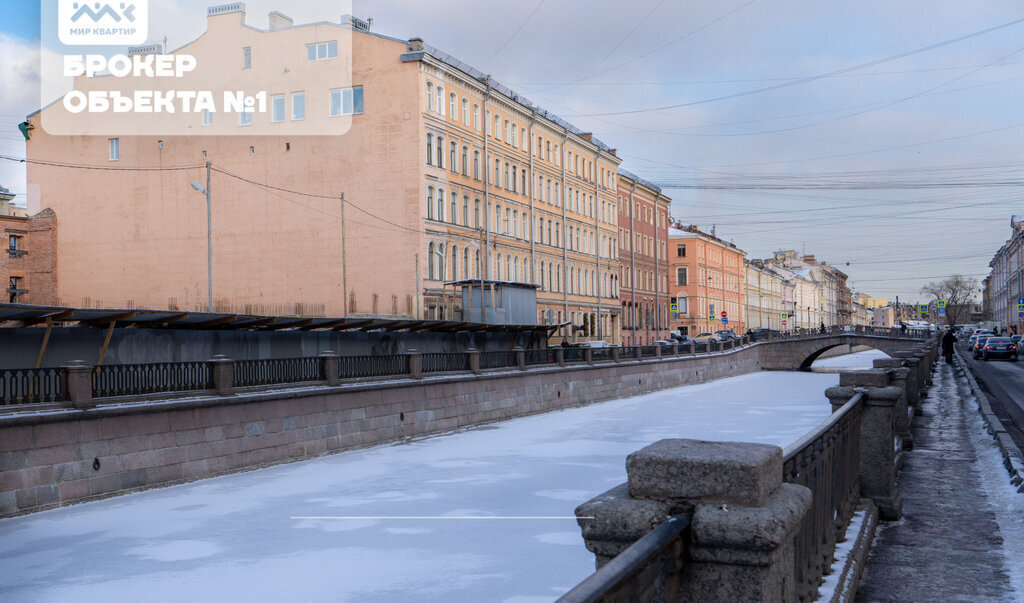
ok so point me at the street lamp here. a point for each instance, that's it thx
(209, 237)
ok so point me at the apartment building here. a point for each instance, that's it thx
(1004, 287)
(643, 219)
(27, 265)
(708, 283)
(763, 297)
(438, 174)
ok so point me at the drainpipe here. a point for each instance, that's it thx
(657, 271)
(632, 258)
(597, 226)
(565, 246)
(533, 233)
(486, 256)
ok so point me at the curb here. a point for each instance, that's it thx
(1013, 459)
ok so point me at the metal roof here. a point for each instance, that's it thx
(26, 315)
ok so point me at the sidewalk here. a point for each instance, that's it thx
(948, 546)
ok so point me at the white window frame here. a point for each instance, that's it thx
(322, 51)
(277, 102)
(114, 145)
(295, 97)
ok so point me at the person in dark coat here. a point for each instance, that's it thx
(947, 345)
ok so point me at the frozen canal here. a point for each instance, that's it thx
(478, 515)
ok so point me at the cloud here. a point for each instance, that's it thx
(19, 80)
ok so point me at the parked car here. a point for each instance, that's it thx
(763, 334)
(705, 338)
(595, 344)
(1016, 338)
(684, 340)
(999, 347)
(725, 335)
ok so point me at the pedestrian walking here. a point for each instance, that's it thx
(947, 346)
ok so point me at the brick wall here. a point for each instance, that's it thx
(36, 267)
(69, 456)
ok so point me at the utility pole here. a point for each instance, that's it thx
(209, 243)
(344, 265)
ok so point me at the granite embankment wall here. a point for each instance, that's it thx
(57, 457)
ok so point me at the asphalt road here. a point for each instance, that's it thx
(1003, 381)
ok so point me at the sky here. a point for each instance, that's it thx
(895, 122)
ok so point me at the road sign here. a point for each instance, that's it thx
(923, 308)
(674, 307)
(711, 318)
(724, 314)
(1020, 314)
(941, 304)
(785, 315)
(1020, 301)
(783, 323)
(725, 321)
(942, 311)
(1020, 307)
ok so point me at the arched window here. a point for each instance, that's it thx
(522, 180)
(550, 198)
(476, 164)
(522, 138)
(465, 263)
(440, 99)
(515, 223)
(476, 116)
(523, 223)
(430, 96)
(465, 112)
(497, 173)
(440, 151)
(451, 159)
(430, 149)
(455, 208)
(586, 280)
(572, 281)
(440, 205)
(508, 133)
(465, 160)
(497, 219)
(497, 273)
(476, 265)
(507, 227)
(455, 261)
(430, 203)
(453, 108)
(542, 275)
(514, 127)
(513, 178)
(506, 183)
(549, 232)
(440, 261)
(476, 214)
(508, 267)
(430, 262)
(465, 210)
(497, 126)
(540, 189)
(515, 270)
(551, 282)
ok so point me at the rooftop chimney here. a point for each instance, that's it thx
(416, 44)
(279, 21)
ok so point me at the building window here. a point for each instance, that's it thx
(465, 263)
(465, 210)
(453, 109)
(245, 117)
(451, 159)
(508, 131)
(430, 203)
(476, 116)
(430, 262)
(277, 108)
(440, 205)
(440, 99)
(465, 160)
(298, 106)
(440, 152)
(514, 134)
(430, 149)
(322, 50)
(347, 101)
(465, 112)
(497, 218)
(15, 289)
(430, 96)
(476, 213)
(522, 138)
(507, 182)
(207, 117)
(115, 148)
(13, 246)
(497, 126)
(681, 277)
(476, 165)
(455, 208)
(246, 58)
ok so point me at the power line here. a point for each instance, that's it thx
(808, 79)
(515, 33)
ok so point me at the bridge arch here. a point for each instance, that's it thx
(800, 354)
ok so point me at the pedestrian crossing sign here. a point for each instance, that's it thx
(923, 308)
(711, 318)
(941, 304)
(785, 315)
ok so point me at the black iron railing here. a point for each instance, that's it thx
(445, 362)
(825, 461)
(135, 379)
(601, 354)
(494, 360)
(546, 356)
(350, 367)
(31, 386)
(628, 577)
(282, 370)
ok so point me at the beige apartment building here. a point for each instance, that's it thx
(708, 282)
(764, 288)
(430, 173)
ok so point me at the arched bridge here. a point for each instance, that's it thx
(800, 353)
